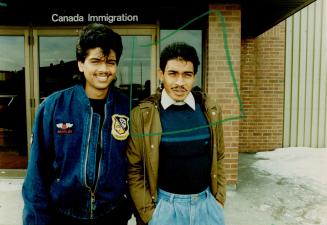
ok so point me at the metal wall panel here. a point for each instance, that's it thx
(305, 108)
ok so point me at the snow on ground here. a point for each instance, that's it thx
(304, 165)
(286, 186)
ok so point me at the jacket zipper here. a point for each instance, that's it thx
(87, 148)
(101, 147)
(92, 192)
(99, 169)
(92, 203)
(85, 164)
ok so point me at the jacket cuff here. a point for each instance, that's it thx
(220, 199)
(221, 203)
(146, 216)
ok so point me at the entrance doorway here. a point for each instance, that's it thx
(36, 62)
(13, 130)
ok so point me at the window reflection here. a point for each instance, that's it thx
(58, 66)
(134, 68)
(13, 144)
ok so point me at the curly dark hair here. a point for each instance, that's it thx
(179, 50)
(97, 35)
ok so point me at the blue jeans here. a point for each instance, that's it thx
(193, 209)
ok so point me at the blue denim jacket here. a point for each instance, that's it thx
(62, 161)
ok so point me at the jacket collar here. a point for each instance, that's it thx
(155, 99)
(85, 100)
(167, 101)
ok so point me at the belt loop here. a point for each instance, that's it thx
(207, 192)
(171, 199)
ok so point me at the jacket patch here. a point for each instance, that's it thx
(120, 127)
(64, 128)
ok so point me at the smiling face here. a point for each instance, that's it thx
(178, 78)
(99, 71)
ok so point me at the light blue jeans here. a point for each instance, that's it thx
(193, 209)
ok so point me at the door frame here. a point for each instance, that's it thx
(24, 32)
(31, 63)
(149, 30)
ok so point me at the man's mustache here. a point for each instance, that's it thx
(179, 88)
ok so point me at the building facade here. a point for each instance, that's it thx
(242, 70)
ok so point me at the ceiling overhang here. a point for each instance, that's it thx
(257, 16)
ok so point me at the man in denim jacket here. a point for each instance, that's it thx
(77, 167)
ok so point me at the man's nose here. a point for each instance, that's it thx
(179, 80)
(103, 67)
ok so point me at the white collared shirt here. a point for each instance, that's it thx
(167, 101)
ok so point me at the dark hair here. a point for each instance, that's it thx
(97, 35)
(179, 50)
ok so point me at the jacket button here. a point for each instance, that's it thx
(214, 176)
(152, 197)
(213, 113)
(58, 179)
(152, 146)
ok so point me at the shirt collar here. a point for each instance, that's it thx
(167, 101)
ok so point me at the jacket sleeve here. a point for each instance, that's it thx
(137, 180)
(35, 189)
(221, 181)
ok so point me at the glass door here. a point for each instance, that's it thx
(56, 65)
(13, 94)
(137, 68)
(54, 61)
(134, 73)
(35, 62)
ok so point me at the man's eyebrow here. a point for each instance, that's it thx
(95, 58)
(101, 58)
(176, 71)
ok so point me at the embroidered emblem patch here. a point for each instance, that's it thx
(120, 127)
(64, 128)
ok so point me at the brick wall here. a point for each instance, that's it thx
(262, 91)
(219, 82)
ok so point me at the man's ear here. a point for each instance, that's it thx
(80, 66)
(161, 75)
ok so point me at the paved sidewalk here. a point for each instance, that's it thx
(261, 198)
(267, 198)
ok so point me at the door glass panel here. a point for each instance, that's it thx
(134, 67)
(13, 140)
(57, 64)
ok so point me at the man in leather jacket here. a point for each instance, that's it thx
(176, 149)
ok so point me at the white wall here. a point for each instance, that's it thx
(305, 109)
